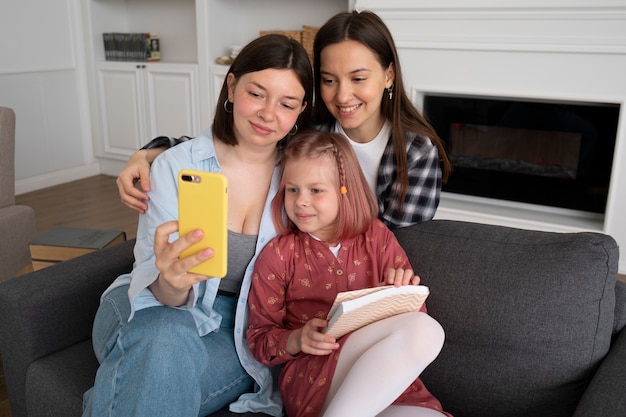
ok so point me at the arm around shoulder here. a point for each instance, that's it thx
(133, 181)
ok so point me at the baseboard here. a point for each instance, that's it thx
(111, 167)
(55, 178)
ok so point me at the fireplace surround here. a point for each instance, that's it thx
(554, 51)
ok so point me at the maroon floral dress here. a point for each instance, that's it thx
(296, 279)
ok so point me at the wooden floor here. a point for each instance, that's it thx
(92, 203)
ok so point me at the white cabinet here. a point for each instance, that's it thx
(133, 102)
(139, 101)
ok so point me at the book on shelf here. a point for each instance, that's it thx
(141, 47)
(153, 42)
(63, 243)
(352, 310)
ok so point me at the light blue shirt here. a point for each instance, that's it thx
(199, 155)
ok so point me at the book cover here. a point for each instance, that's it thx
(153, 41)
(354, 309)
(63, 243)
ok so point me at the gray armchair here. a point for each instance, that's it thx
(17, 223)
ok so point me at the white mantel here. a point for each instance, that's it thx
(546, 49)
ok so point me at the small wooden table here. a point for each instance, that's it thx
(62, 243)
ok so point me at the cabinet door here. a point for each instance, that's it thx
(172, 100)
(121, 93)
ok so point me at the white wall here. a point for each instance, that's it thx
(42, 79)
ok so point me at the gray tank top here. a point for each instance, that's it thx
(241, 249)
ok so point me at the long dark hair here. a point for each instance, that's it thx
(269, 51)
(369, 29)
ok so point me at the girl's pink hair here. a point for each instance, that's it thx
(357, 207)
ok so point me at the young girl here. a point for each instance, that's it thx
(329, 242)
(359, 79)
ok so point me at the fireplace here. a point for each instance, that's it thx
(541, 152)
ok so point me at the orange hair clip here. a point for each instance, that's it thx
(343, 190)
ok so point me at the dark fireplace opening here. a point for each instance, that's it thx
(549, 153)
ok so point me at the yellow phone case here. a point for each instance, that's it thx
(203, 204)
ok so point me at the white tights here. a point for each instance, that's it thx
(409, 411)
(378, 362)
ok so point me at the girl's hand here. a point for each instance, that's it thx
(173, 284)
(309, 339)
(399, 277)
(136, 174)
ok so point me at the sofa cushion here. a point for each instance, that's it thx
(528, 315)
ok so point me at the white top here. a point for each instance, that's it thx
(369, 154)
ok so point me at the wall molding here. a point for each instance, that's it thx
(510, 44)
(570, 26)
(544, 5)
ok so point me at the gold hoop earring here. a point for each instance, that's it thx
(226, 106)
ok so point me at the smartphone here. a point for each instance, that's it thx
(203, 204)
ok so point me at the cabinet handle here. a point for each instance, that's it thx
(140, 66)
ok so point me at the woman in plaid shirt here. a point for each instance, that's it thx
(358, 77)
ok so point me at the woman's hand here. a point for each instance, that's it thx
(399, 277)
(134, 180)
(174, 282)
(309, 339)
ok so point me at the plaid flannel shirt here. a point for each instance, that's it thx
(424, 188)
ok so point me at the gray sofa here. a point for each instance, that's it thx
(534, 323)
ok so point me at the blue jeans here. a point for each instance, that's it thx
(158, 365)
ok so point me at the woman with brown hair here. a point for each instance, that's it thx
(171, 342)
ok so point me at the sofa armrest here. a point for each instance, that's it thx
(51, 309)
(605, 395)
